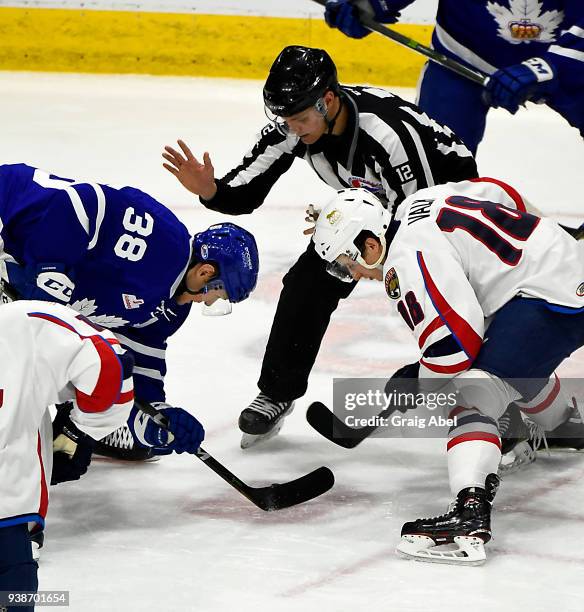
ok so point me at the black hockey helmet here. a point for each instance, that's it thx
(298, 78)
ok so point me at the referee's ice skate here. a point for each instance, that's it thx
(262, 419)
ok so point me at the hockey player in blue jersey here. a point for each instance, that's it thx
(532, 50)
(127, 263)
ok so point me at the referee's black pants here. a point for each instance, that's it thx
(308, 298)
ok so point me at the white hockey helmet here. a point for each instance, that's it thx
(340, 222)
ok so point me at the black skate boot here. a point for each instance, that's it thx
(120, 445)
(262, 419)
(467, 524)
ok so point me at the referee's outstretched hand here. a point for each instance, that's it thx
(197, 177)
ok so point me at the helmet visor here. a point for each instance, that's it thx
(343, 266)
(282, 123)
(216, 301)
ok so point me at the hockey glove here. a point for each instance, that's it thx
(344, 15)
(47, 282)
(534, 79)
(405, 380)
(184, 435)
(71, 448)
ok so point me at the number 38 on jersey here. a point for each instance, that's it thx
(131, 245)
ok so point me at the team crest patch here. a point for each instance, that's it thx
(131, 301)
(524, 21)
(580, 290)
(392, 284)
(334, 216)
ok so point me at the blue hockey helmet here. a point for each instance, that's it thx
(235, 252)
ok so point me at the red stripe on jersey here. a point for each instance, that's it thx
(53, 319)
(464, 334)
(475, 435)
(510, 191)
(128, 396)
(437, 323)
(447, 369)
(44, 500)
(546, 402)
(109, 382)
(458, 409)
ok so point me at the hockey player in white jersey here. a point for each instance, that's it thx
(50, 354)
(495, 299)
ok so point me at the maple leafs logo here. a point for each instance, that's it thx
(87, 307)
(524, 21)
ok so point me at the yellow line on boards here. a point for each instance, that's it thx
(234, 46)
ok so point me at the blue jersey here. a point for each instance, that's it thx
(490, 35)
(115, 255)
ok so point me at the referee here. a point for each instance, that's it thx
(351, 137)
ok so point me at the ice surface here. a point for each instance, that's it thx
(171, 535)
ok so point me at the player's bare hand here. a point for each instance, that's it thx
(311, 217)
(197, 177)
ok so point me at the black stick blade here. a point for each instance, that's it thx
(328, 425)
(305, 488)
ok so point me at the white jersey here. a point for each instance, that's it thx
(50, 354)
(461, 252)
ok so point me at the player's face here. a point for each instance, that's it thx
(309, 125)
(199, 278)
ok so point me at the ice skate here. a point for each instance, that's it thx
(569, 436)
(516, 450)
(120, 445)
(457, 537)
(262, 419)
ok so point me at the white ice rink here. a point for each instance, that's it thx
(171, 535)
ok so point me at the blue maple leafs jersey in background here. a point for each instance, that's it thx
(123, 252)
(492, 34)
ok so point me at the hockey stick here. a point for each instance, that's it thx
(272, 497)
(469, 73)
(328, 425)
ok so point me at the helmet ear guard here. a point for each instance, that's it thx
(233, 250)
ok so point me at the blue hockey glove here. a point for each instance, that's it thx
(47, 282)
(533, 79)
(185, 434)
(344, 15)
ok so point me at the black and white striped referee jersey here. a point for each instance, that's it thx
(389, 146)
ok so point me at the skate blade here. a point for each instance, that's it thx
(249, 440)
(470, 550)
(106, 459)
(518, 458)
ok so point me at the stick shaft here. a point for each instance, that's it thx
(469, 73)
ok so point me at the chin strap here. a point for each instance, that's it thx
(331, 122)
